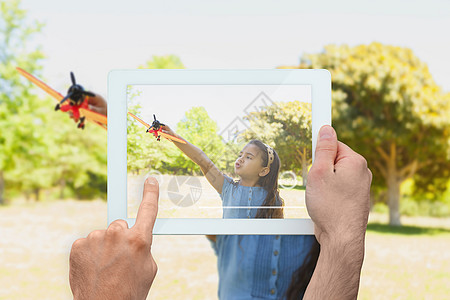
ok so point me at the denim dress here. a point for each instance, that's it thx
(255, 266)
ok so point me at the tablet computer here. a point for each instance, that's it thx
(219, 112)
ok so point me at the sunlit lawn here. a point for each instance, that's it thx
(410, 262)
(208, 205)
(35, 239)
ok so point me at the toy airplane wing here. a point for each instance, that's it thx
(172, 138)
(95, 117)
(90, 115)
(163, 134)
(139, 120)
(40, 84)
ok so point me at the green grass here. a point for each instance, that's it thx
(406, 230)
(408, 262)
(296, 187)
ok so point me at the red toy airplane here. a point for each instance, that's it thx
(75, 101)
(156, 129)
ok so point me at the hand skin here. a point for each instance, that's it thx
(337, 199)
(117, 263)
(98, 104)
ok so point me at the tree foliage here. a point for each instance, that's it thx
(285, 126)
(387, 107)
(163, 62)
(146, 154)
(39, 148)
(198, 128)
(143, 151)
(78, 157)
(20, 145)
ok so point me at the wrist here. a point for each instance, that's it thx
(351, 233)
(337, 240)
(106, 295)
(350, 249)
(338, 269)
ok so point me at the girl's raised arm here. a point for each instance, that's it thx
(209, 169)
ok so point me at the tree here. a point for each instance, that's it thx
(142, 151)
(163, 62)
(55, 153)
(29, 167)
(38, 147)
(78, 157)
(387, 107)
(198, 128)
(286, 126)
(18, 137)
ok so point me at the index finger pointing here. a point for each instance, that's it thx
(148, 209)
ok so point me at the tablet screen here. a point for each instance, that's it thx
(221, 120)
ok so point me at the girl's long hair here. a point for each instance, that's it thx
(270, 184)
(302, 276)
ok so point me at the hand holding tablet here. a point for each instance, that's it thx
(338, 188)
(338, 200)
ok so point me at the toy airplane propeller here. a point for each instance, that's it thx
(76, 100)
(156, 129)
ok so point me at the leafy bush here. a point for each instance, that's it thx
(381, 208)
(409, 207)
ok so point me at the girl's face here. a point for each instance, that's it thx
(249, 163)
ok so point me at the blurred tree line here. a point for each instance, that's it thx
(287, 127)
(146, 154)
(386, 106)
(40, 149)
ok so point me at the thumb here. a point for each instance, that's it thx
(326, 149)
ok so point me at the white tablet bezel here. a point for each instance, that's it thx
(118, 80)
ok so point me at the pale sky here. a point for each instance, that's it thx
(93, 37)
(223, 103)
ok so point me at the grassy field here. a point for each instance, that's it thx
(412, 262)
(208, 205)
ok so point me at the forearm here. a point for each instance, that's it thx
(211, 172)
(337, 272)
(195, 154)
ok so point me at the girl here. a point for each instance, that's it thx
(255, 266)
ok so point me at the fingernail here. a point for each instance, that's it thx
(326, 132)
(151, 181)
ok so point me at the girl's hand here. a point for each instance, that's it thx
(168, 130)
(98, 104)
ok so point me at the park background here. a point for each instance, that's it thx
(389, 64)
